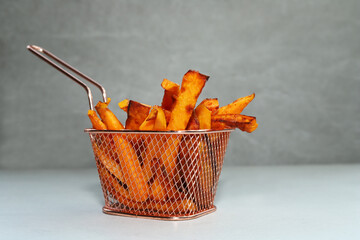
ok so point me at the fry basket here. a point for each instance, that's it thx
(170, 175)
(159, 175)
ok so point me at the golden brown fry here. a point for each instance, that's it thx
(130, 165)
(170, 94)
(166, 181)
(160, 121)
(170, 86)
(204, 116)
(152, 151)
(211, 103)
(149, 122)
(243, 122)
(137, 113)
(124, 104)
(111, 184)
(189, 165)
(108, 162)
(157, 123)
(237, 106)
(132, 171)
(107, 116)
(167, 116)
(193, 122)
(95, 120)
(112, 187)
(207, 165)
(157, 191)
(169, 155)
(191, 87)
(179, 206)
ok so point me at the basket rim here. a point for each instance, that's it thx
(128, 131)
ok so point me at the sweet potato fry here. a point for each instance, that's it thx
(211, 103)
(149, 121)
(165, 181)
(194, 123)
(189, 165)
(167, 116)
(191, 87)
(243, 122)
(153, 144)
(95, 120)
(178, 206)
(206, 175)
(137, 113)
(130, 165)
(170, 94)
(109, 163)
(204, 116)
(113, 188)
(157, 191)
(124, 104)
(157, 123)
(169, 155)
(160, 121)
(237, 106)
(107, 116)
(131, 169)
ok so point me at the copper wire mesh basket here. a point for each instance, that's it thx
(161, 175)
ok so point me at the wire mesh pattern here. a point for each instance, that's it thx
(169, 175)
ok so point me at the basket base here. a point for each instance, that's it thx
(171, 218)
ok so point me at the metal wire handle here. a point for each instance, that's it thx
(41, 52)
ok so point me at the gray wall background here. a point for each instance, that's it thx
(301, 58)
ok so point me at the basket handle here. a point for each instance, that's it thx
(44, 54)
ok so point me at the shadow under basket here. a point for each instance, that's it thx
(159, 175)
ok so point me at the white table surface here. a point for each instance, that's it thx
(277, 202)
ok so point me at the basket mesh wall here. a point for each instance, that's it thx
(159, 174)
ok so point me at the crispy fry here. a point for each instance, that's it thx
(149, 121)
(191, 87)
(169, 155)
(190, 166)
(124, 104)
(95, 120)
(157, 191)
(206, 175)
(165, 180)
(107, 116)
(137, 113)
(164, 149)
(130, 165)
(178, 206)
(160, 121)
(243, 122)
(152, 151)
(111, 183)
(194, 123)
(131, 169)
(204, 116)
(113, 188)
(170, 94)
(167, 116)
(170, 86)
(108, 162)
(211, 103)
(237, 106)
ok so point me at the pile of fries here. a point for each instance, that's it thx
(162, 180)
(177, 110)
